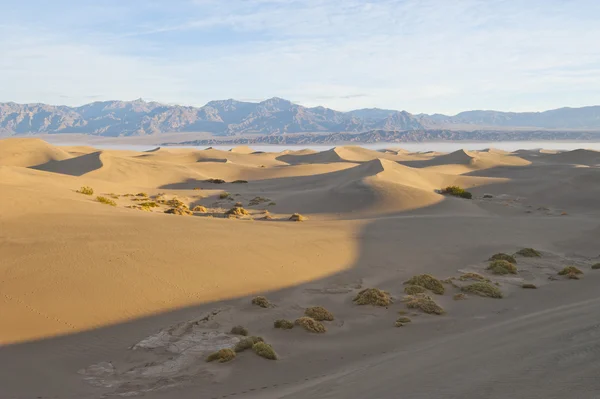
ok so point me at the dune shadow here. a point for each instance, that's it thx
(77, 166)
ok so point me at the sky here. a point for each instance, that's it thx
(423, 56)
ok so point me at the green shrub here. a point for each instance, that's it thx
(373, 296)
(149, 204)
(569, 269)
(502, 267)
(310, 325)
(483, 289)
(529, 286)
(86, 190)
(283, 324)
(503, 256)
(596, 266)
(319, 313)
(529, 253)
(239, 330)
(106, 201)
(414, 289)
(265, 350)
(239, 181)
(222, 355)
(262, 302)
(457, 192)
(247, 343)
(472, 276)
(224, 195)
(142, 195)
(427, 281)
(424, 303)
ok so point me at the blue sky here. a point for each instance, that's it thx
(419, 55)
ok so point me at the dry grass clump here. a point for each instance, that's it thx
(424, 303)
(414, 289)
(199, 208)
(283, 324)
(239, 181)
(86, 190)
(237, 211)
(179, 211)
(529, 253)
(373, 296)
(483, 289)
(247, 343)
(429, 282)
(457, 192)
(239, 330)
(265, 350)
(272, 203)
(113, 196)
(529, 286)
(106, 201)
(222, 355)
(459, 297)
(502, 267)
(472, 276)
(596, 266)
(175, 203)
(149, 204)
(503, 256)
(402, 321)
(262, 302)
(215, 181)
(257, 201)
(224, 195)
(296, 217)
(319, 313)
(142, 195)
(310, 325)
(570, 270)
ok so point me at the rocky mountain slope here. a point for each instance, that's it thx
(271, 117)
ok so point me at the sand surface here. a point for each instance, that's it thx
(127, 300)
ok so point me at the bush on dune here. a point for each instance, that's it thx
(199, 208)
(502, 267)
(319, 313)
(265, 350)
(596, 266)
(529, 253)
(296, 217)
(215, 181)
(106, 201)
(483, 289)
(222, 355)
(401, 321)
(240, 181)
(262, 302)
(424, 303)
(310, 325)
(239, 330)
(179, 211)
(86, 190)
(456, 191)
(570, 270)
(414, 289)
(283, 324)
(237, 211)
(472, 276)
(247, 343)
(373, 296)
(224, 195)
(529, 286)
(503, 256)
(427, 281)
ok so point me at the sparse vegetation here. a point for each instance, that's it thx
(239, 330)
(215, 181)
(265, 350)
(175, 203)
(106, 201)
(283, 324)
(502, 267)
(222, 355)
(149, 204)
(179, 211)
(113, 196)
(310, 325)
(427, 281)
(319, 313)
(239, 181)
(503, 256)
(596, 266)
(199, 208)
(373, 296)
(141, 195)
(296, 217)
(529, 286)
(457, 192)
(483, 289)
(262, 302)
(257, 201)
(472, 276)
(414, 289)
(224, 195)
(86, 190)
(403, 320)
(247, 343)
(272, 203)
(424, 303)
(570, 270)
(237, 211)
(529, 253)
(459, 297)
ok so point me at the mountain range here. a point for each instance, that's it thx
(274, 116)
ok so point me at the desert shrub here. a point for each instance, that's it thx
(457, 192)
(472, 276)
(106, 201)
(175, 203)
(427, 281)
(503, 256)
(596, 266)
(404, 320)
(86, 190)
(224, 195)
(373, 296)
(237, 211)
(319, 313)
(238, 205)
(257, 201)
(488, 196)
(239, 330)
(222, 355)
(179, 211)
(529, 253)
(459, 297)
(247, 343)
(424, 303)
(261, 301)
(141, 194)
(414, 289)
(310, 325)
(272, 203)
(113, 196)
(239, 181)
(296, 217)
(265, 350)
(149, 204)
(529, 285)
(502, 267)
(199, 208)
(569, 269)
(483, 289)
(215, 181)
(283, 324)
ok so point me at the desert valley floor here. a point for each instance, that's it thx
(126, 291)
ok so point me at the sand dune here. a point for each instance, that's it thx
(118, 300)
